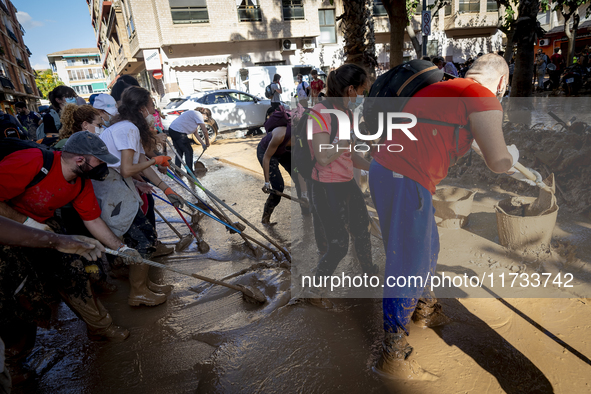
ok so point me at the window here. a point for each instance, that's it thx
(419, 8)
(128, 19)
(379, 9)
(83, 89)
(4, 70)
(293, 9)
(469, 6)
(492, 6)
(241, 98)
(71, 62)
(249, 11)
(447, 9)
(188, 11)
(218, 98)
(328, 34)
(85, 61)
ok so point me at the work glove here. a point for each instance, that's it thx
(131, 256)
(174, 198)
(162, 161)
(35, 224)
(89, 248)
(514, 153)
(520, 177)
(267, 187)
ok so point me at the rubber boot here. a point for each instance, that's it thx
(156, 288)
(98, 320)
(140, 293)
(267, 211)
(396, 361)
(162, 250)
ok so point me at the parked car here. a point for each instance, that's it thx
(230, 109)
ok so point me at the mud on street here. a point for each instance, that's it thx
(206, 339)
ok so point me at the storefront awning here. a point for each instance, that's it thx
(199, 61)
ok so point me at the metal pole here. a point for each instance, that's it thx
(424, 36)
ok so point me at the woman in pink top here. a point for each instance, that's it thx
(335, 194)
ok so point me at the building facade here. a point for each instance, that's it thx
(80, 69)
(177, 47)
(553, 23)
(17, 78)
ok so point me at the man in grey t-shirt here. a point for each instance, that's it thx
(277, 90)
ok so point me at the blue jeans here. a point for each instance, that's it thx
(411, 240)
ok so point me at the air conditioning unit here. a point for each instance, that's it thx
(544, 42)
(288, 45)
(308, 43)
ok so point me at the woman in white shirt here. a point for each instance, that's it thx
(181, 128)
(120, 202)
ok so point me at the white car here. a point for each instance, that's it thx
(230, 109)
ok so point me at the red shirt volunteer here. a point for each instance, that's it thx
(427, 160)
(316, 86)
(40, 201)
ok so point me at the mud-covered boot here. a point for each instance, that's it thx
(162, 250)
(267, 211)
(98, 320)
(396, 361)
(428, 314)
(140, 294)
(156, 288)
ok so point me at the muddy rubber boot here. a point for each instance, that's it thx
(397, 362)
(156, 288)
(428, 314)
(98, 320)
(140, 294)
(267, 211)
(162, 250)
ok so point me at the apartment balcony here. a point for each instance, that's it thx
(28, 51)
(11, 34)
(470, 24)
(5, 82)
(21, 63)
(2, 52)
(28, 89)
(4, 8)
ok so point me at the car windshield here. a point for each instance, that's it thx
(174, 103)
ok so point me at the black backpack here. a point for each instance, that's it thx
(302, 161)
(11, 145)
(269, 91)
(10, 128)
(403, 81)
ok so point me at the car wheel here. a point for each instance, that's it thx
(211, 133)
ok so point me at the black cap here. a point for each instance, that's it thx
(86, 143)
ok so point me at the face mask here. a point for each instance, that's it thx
(71, 100)
(98, 173)
(99, 130)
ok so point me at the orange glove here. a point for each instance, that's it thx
(162, 160)
(174, 198)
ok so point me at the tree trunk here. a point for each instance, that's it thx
(509, 49)
(572, 36)
(417, 45)
(354, 31)
(525, 36)
(397, 17)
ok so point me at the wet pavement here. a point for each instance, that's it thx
(206, 339)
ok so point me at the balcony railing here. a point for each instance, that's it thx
(21, 63)
(28, 89)
(5, 82)
(28, 51)
(250, 14)
(11, 33)
(4, 8)
(2, 53)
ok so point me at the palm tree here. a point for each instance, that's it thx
(357, 26)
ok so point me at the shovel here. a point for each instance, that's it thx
(546, 199)
(278, 193)
(249, 294)
(184, 241)
(199, 167)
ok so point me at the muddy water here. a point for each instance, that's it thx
(206, 339)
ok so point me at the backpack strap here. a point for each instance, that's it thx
(456, 127)
(47, 163)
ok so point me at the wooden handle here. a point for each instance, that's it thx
(169, 225)
(518, 166)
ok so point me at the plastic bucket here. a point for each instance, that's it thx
(452, 206)
(518, 232)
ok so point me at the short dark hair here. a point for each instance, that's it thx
(556, 50)
(314, 72)
(276, 77)
(20, 104)
(123, 82)
(59, 93)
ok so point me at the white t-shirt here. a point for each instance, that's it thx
(187, 122)
(302, 90)
(123, 135)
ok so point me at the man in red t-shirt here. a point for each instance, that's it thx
(85, 156)
(402, 185)
(558, 61)
(316, 86)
